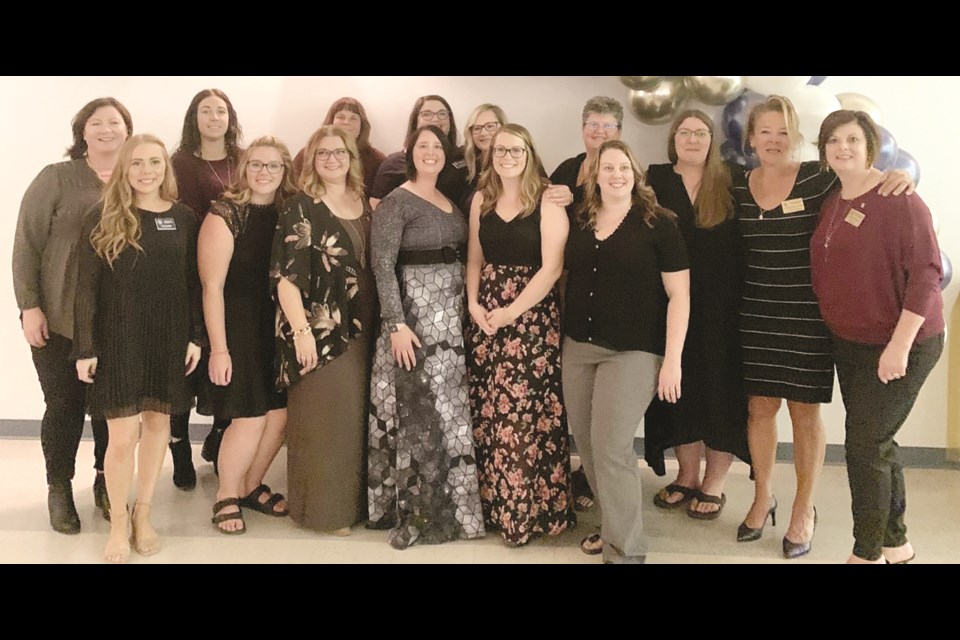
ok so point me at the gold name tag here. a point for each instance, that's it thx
(854, 217)
(793, 206)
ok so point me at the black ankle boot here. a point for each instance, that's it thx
(100, 497)
(63, 513)
(184, 475)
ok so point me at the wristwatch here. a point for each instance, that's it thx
(393, 327)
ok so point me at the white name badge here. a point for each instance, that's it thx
(165, 224)
(793, 206)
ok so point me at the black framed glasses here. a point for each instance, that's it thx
(515, 152)
(489, 127)
(272, 167)
(443, 114)
(699, 134)
(339, 154)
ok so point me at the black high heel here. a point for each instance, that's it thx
(793, 549)
(749, 534)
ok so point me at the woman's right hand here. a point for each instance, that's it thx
(402, 343)
(479, 315)
(220, 368)
(35, 327)
(306, 352)
(87, 369)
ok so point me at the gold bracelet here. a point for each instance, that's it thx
(302, 331)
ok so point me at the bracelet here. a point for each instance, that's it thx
(219, 353)
(307, 329)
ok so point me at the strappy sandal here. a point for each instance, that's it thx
(688, 493)
(252, 501)
(223, 517)
(582, 493)
(586, 545)
(708, 515)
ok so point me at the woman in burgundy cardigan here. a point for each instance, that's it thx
(876, 270)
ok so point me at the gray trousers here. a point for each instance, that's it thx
(606, 394)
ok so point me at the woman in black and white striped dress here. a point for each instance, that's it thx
(786, 346)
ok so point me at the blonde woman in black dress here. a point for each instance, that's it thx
(138, 328)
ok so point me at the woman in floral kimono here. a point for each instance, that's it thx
(328, 301)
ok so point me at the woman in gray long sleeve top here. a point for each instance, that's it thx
(45, 282)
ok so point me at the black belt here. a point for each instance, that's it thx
(446, 255)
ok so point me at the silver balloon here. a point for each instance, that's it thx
(658, 105)
(642, 83)
(860, 102)
(714, 90)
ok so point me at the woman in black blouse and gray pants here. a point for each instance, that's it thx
(627, 306)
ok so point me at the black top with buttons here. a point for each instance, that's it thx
(615, 296)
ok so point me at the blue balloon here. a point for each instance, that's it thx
(909, 164)
(947, 270)
(731, 152)
(734, 117)
(816, 80)
(887, 154)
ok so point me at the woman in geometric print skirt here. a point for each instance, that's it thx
(786, 346)
(519, 424)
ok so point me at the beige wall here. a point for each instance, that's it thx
(36, 114)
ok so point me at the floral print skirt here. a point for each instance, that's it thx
(519, 423)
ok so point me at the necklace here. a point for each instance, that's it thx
(223, 187)
(358, 227)
(834, 225)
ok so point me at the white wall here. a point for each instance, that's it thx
(37, 112)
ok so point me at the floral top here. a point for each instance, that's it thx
(313, 250)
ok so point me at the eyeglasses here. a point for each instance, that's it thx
(339, 154)
(593, 126)
(515, 152)
(489, 127)
(439, 115)
(699, 134)
(272, 167)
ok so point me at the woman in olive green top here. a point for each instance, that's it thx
(45, 281)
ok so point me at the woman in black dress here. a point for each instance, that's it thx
(239, 312)
(205, 164)
(710, 419)
(138, 328)
(44, 282)
(327, 294)
(515, 258)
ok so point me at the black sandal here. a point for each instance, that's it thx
(708, 515)
(688, 493)
(591, 539)
(223, 517)
(252, 501)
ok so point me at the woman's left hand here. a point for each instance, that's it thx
(499, 318)
(893, 363)
(668, 388)
(897, 181)
(192, 359)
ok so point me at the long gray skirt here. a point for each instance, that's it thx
(326, 442)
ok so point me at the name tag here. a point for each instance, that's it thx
(165, 224)
(459, 164)
(793, 206)
(854, 217)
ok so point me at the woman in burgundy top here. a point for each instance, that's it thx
(876, 270)
(205, 164)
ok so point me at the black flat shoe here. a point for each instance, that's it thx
(793, 549)
(100, 497)
(211, 448)
(63, 512)
(748, 534)
(184, 473)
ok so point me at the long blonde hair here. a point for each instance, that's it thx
(240, 191)
(310, 180)
(470, 150)
(642, 197)
(119, 225)
(532, 182)
(714, 202)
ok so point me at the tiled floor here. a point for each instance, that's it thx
(183, 520)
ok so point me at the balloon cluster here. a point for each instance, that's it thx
(655, 100)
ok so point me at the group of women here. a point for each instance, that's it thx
(397, 320)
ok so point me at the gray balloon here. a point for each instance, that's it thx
(714, 90)
(658, 105)
(643, 83)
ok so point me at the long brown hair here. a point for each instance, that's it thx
(310, 180)
(532, 182)
(352, 105)
(119, 225)
(643, 197)
(240, 191)
(714, 202)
